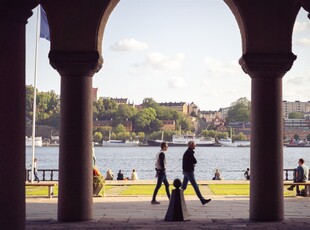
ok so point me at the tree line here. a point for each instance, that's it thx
(146, 121)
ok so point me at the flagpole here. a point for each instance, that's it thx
(35, 91)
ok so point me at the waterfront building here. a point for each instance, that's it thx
(192, 109)
(168, 125)
(178, 106)
(110, 123)
(295, 106)
(119, 100)
(292, 127)
(210, 115)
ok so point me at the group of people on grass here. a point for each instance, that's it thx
(120, 175)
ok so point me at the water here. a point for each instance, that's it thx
(232, 162)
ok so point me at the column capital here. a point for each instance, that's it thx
(17, 11)
(306, 5)
(266, 65)
(76, 63)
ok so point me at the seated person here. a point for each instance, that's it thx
(217, 175)
(110, 175)
(301, 174)
(134, 175)
(120, 175)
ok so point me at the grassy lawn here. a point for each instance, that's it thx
(239, 189)
(39, 191)
(147, 190)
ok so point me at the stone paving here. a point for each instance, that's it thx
(223, 212)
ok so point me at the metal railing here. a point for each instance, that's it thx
(52, 174)
(44, 174)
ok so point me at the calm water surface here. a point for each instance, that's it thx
(231, 161)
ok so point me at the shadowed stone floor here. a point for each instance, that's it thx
(223, 212)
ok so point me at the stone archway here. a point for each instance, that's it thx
(76, 55)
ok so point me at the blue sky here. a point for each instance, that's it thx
(175, 50)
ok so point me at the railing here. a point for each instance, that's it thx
(53, 174)
(292, 170)
(44, 174)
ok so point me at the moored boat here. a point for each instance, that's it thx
(182, 140)
(37, 141)
(120, 143)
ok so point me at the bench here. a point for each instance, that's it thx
(44, 184)
(306, 184)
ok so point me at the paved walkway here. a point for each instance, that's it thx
(223, 212)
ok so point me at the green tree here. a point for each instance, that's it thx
(141, 136)
(150, 103)
(97, 137)
(123, 136)
(120, 128)
(296, 115)
(239, 137)
(125, 112)
(144, 118)
(239, 111)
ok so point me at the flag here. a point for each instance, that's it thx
(44, 29)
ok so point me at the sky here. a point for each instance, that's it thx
(173, 51)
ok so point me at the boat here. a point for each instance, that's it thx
(182, 140)
(120, 143)
(228, 143)
(37, 141)
(297, 145)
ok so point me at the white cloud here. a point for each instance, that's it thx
(177, 83)
(161, 62)
(219, 68)
(301, 26)
(302, 42)
(130, 44)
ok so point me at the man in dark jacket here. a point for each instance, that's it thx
(188, 164)
(160, 167)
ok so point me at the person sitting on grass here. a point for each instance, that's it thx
(134, 175)
(120, 175)
(110, 175)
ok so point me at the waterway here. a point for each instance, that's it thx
(232, 161)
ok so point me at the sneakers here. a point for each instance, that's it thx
(290, 188)
(205, 201)
(155, 202)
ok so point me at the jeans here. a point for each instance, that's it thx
(190, 176)
(161, 177)
(35, 172)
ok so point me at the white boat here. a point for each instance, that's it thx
(120, 143)
(182, 140)
(37, 141)
(228, 143)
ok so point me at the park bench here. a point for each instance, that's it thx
(44, 184)
(306, 184)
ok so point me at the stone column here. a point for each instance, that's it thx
(266, 71)
(13, 20)
(75, 197)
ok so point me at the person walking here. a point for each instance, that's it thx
(188, 165)
(160, 167)
(35, 170)
(301, 174)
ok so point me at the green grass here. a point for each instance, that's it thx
(238, 189)
(147, 190)
(39, 191)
